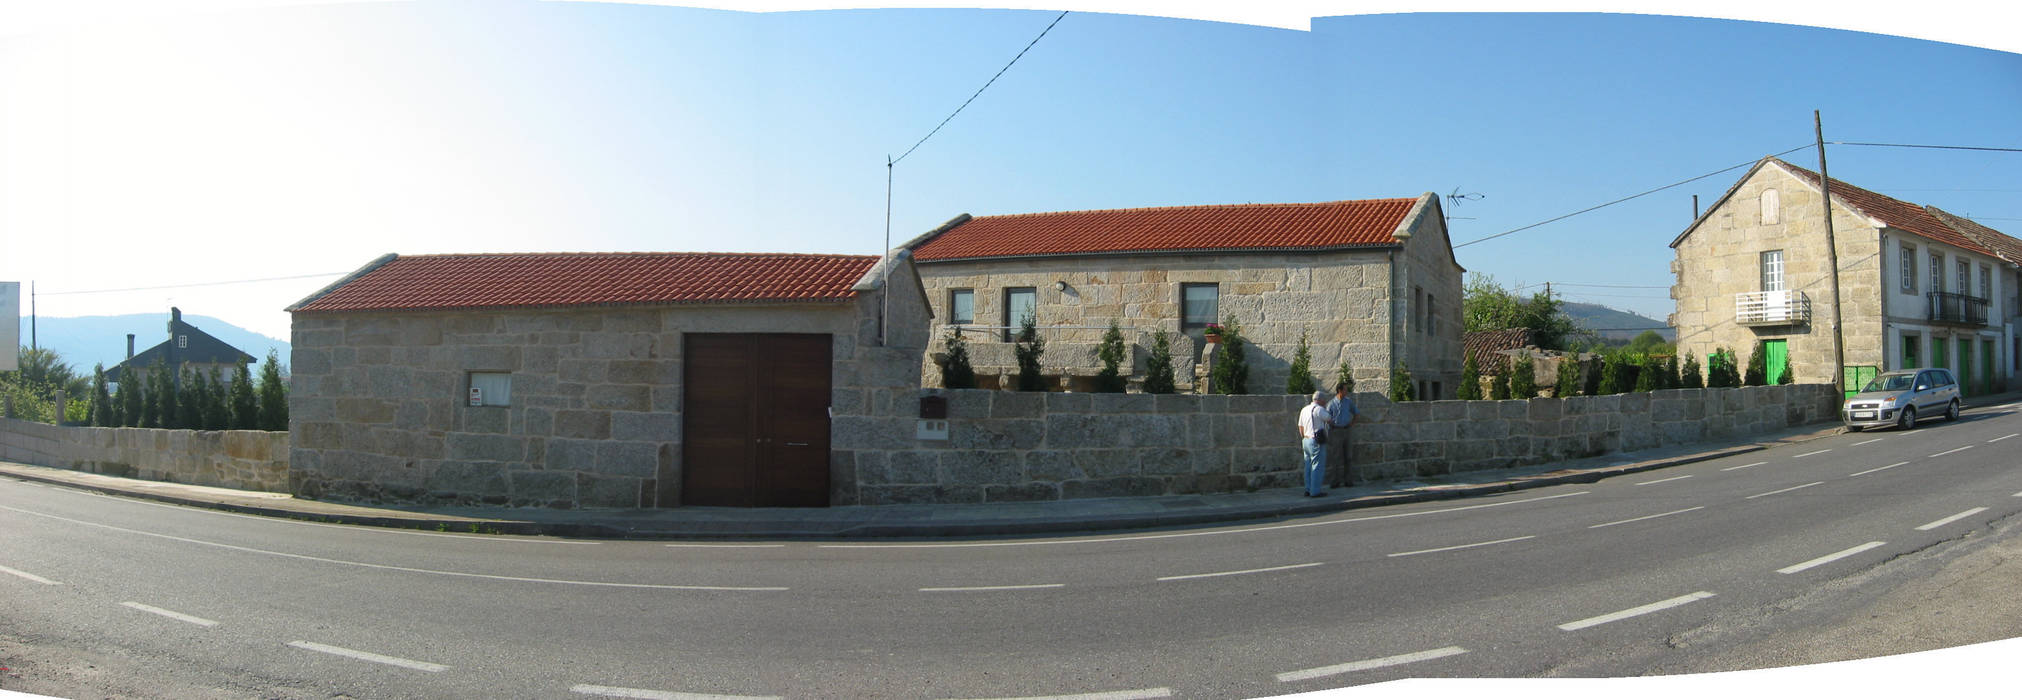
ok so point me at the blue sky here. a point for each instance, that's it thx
(173, 149)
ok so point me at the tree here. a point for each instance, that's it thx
(1299, 380)
(1345, 374)
(1649, 343)
(1568, 383)
(1647, 378)
(1470, 381)
(1720, 370)
(161, 391)
(1498, 385)
(1158, 367)
(1231, 374)
(1111, 379)
(273, 395)
(41, 373)
(1671, 378)
(1487, 306)
(217, 412)
(1688, 376)
(1028, 349)
(244, 407)
(1758, 367)
(956, 373)
(1611, 370)
(1523, 380)
(1400, 384)
(132, 399)
(190, 401)
(102, 409)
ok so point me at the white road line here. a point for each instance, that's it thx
(1142, 694)
(1462, 546)
(369, 656)
(1023, 587)
(1864, 442)
(1647, 517)
(1941, 522)
(1204, 533)
(1793, 488)
(1829, 558)
(2004, 437)
(389, 567)
(727, 546)
(1955, 449)
(1744, 466)
(29, 576)
(1876, 469)
(1659, 481)
(1808, 454)
(643, 694)
(171, 614)
(353, 528)
(1234, 573)
(1632, 612)
(1354, 666)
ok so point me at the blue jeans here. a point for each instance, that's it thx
(1315, 454)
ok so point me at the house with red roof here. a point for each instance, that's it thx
(1370, 281)
(1918, 287)
(601, 379)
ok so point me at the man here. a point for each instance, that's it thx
(1313, 443)
(1341, 413)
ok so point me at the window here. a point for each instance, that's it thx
(1431, 317)
(491, 389)
(961, 306)
(1772, 207)
(1020, 305)
(1937, 272)
(1412, 316)
(1912, 346)
(1909, 265)
(1435, 392)
(1965, 277)
(182, 342)
(1199, 304)
(1772, 270)
(1987, 283)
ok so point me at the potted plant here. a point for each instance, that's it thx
(1213, 333)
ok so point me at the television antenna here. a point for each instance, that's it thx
(1456, 198)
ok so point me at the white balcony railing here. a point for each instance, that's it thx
(1784, 307)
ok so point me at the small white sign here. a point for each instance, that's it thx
(931, 430)
(476, 396)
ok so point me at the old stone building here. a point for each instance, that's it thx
(1372, 281)
(1914, 288)
(601, 379)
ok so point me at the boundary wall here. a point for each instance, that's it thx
(253, 460)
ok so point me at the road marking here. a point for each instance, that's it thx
(992, 588)
(1956, 449)
(369, 656)
(1858, 444)
(1647, 517)
(1354, 666)
(643, 694)
(1876, 469)
(1462, 546)
(1659, 481)
(1808, 454)
(1941, 522)
(353, 528)
(1744, 466)
(389, 567)
(1829, 558)
(1632, 612)
(1793, 488)
(2004, 437)
(1143, 694)
(31, 577)
(1205, 533)
(1234, 573)
(728, 546)
(171, 614)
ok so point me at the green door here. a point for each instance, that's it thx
(1966, 385)
(1987, 367)
(1941, 355)
(1778, 352)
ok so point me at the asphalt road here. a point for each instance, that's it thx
(1664, 571)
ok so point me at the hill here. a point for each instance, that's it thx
(1615, 325)
(84, 341)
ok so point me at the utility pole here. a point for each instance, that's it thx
(1831, 256)
(32, 345)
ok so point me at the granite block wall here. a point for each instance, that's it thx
(253, 460)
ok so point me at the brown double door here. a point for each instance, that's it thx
(754, 420)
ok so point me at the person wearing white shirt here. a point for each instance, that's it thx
(1313, 422)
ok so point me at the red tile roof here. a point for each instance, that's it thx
(437, 282)
(1368, 222)
(1894, 212)
(1483, 346)
(2003, 245)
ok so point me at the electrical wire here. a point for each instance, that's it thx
(979, 91)
(1919, 145)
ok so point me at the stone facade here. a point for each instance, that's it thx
(252, 460)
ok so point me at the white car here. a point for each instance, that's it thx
(1898, 398)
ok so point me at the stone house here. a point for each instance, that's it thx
(1372, 281)
(1915, 289)
(188, 348)
(600, 379)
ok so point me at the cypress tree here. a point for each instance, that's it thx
(1300, 378)
(1470, 381)
(1523, 381)
(1400, 384)
(162, 389)
(1671, 378)
(1345, 374)
(1646, 375)
(1758, 367)
(190, 401)
(1568, 383)
(132, 399)
(273, 395)
(244, 407)
(217, 413)
(1028, 349)
(1111, 379)
(1158, 367)
(1610, 376)
(101, 403)
(955, 370)
(1688, 376)
(1498, 385)
(1232, 371)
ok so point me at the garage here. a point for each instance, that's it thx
(756, 420)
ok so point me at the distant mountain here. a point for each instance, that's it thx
(84, 341)
(1615, 325)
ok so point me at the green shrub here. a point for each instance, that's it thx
(1231, 374)
(1158, 366)
(1688, 375)
(956, 372)
(1299, 379)
(1568, 383)
(1470, 381)
(1758, 367)
(1400, 384)
(1028, 349)
(1523, 380)
(1111, 379)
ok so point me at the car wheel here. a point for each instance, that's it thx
(1853, 428)
(1952, 411)
(1908, 419)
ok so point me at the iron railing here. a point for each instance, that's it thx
(1772, 308)
(1947, 307)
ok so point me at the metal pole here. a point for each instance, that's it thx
(885, 289)
(1831, 256)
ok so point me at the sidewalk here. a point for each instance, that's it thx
(1048, 517)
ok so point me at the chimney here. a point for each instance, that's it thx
(129, 346)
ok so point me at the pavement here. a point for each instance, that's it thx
(916, 521)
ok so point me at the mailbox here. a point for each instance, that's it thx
(934, 407)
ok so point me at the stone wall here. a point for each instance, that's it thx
(253, 460)
(1008, 446)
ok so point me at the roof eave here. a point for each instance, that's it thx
(1164, 252)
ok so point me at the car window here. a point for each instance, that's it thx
(1889, 382)
(1926, 379)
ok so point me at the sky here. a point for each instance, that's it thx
(143, 151)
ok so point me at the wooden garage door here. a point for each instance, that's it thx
(754, 421)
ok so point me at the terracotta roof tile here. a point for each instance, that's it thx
(2004, 246)
(1483, 345)
(1368, 222)
(1894, 212)
(437, 282)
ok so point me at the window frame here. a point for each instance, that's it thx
(1012, 325)
(1184, 303)
(956, 292)
(1909, 270)
(1771, 212)
(487, 397)
(1965, 276)
(1937, 272)
(1764, 262)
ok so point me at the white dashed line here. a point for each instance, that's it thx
(1829, 558)
(1354, 666)
(1647, 517)
(1941, 522)
(1744, 466)
(1876, 469)
(1144, 694)
(1237, 573)
(29, 576)
(1022, 587)
(369, 656)
(1462, 546)
(644, 694)
(1808, 454)
(1865, 442)
(1793, 488)
(1659, 481)
(171, 614)
(2004, 437)
(1632, 612)
(1955, 449)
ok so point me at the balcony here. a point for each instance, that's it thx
(1958, 309)
(1779, 308)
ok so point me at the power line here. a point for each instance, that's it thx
(1633, 196)
(979, 91)
(193, 284)
(1918, 145)
(1613, 286)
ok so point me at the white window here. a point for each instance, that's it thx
(183, 342)
(491, 389)
(1986, 283)
(961, 306)
(1772, 207)
(1021, 304)
(1909, 265)
(1772, 270)
(1965, 277)
(1937, 272)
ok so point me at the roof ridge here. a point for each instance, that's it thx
(1197, 207)
(633, 254)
